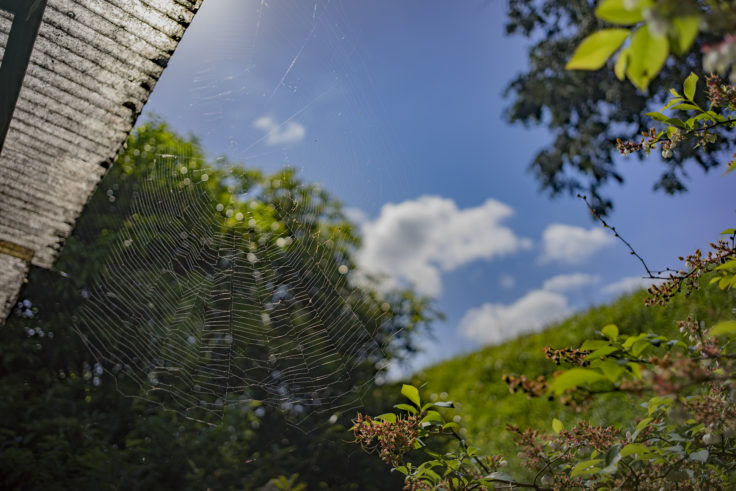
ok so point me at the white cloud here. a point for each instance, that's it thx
(495, 323)
(567, 282)
(629, 284)
(286, 132)
(572, 245)
(416, 240)
(507, 281)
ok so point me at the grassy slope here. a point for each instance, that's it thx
(474, 382)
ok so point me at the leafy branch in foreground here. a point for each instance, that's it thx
(701, 128)
(686, 433)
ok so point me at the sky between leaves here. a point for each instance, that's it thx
(397, 109)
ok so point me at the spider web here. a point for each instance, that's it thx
(196, 311)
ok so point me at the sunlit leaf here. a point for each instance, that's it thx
(411, 393)
(388, 417)
(648, 54)
(686, 27)
(596, 49)
(621, 63)
(657, 116)
(612, 370)
(689, 86)
(601, 352)
(574, 378)
(406, 407)
(610, 331)
(686, 107)
(431, 416)
(593, 344)
(724, 328)
(557, 425)
(635, 369)
(615, 12)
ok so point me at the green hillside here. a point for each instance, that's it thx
(483, 401)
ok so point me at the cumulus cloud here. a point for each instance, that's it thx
(572, 245)
(567, 282)
(287, 132)
(495, 323)
(629, 284)
(416, 240)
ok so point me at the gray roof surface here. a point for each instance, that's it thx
(92, 69)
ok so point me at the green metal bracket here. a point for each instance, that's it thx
(27, 16)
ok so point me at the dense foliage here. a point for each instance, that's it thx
(63, 420)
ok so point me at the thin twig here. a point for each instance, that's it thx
(618, 236)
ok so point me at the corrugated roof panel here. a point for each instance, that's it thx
(13, 271)
(93, 66)
(6, 20)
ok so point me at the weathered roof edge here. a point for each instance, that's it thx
(163, 23)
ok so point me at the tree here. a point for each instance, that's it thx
(63, 420)
(587, 111)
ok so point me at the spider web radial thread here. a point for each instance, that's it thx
(192, 316)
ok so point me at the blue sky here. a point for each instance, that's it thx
(397, 109)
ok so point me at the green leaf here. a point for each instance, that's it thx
(724, 327)
(729, 231)
(411, 393)
(640, 346)
(450, 425)
(686, 27)
(615, 12)
(686, 107)
(672, 102)
(593, 344)
(689, 86)
(601, 352)
(431, 416)
(633, 339)
(610, 331)
(596, 49)
(635, 448)
(635, 369)
(621, 63)
(648, 54)
(406, 407)
(657, 116)
(586, 468)
(642, 424)
(676, 122)
(557, 425)
(612, 370)
(574, 378)
(388, 417)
